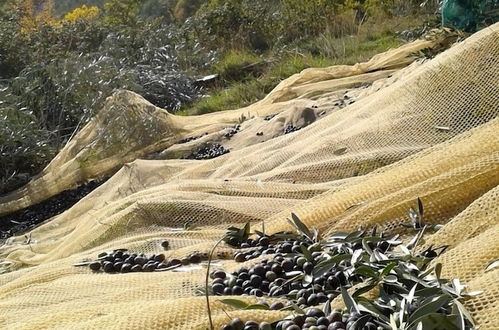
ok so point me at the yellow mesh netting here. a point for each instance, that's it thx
(427, 129)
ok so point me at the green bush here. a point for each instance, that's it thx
(24, 148)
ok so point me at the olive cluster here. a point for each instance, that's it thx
(276, 278)
(120, 261)
(26, 219)
(208, 152)
(291, 129)
(232, 131)
(269, 117)
(313, 319)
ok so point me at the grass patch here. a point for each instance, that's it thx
(243, 88)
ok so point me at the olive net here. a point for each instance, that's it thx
(374, 137)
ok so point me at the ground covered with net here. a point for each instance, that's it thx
(366, 142)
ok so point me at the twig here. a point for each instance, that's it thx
(207, 279)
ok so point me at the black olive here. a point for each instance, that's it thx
(126, 268)
(312, 300)
(218, 288)
(237, 324)
(263, 241)
(108, 267)
(136, 268)
(237, 290)
(308, 267)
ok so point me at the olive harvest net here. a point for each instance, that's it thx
(374, 137)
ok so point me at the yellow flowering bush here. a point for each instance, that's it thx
(82, 13)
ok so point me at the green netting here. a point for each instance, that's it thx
(469, 15)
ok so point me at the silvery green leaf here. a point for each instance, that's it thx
(306, 253)
(410, 296)
(430, 307)
(420, 207)
(436, 321)
(414, 242)
(390, 279)
(366, 247)
(379, 256)
(355, 235)
(360, 323)
(307, 280)
(348, 300)
(457, 286)
(438, 270)
(300, 226)
(404, 250)
(465, 312)
(473, 293)
(327, 308)
(492, 265)
(355, 257)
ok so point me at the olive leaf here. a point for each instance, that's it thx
(297, 309)
(235, 303)
(354, 235)
(430, 307)
(363, 290)
(366, 271)
(349, 301)
(464, 311)
(257, 307)
(327, 308)
(236, 236)
(438, 270)
(306, 253)
(436, 321)
(492, 265)
(325, 266)
(388, 268)
(300, 226)
(360, 323)
(356, 256)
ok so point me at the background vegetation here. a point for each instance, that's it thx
(60, 59)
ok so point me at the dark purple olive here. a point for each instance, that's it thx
(277, 305)
(240, 257)
(220, 274)
(315, 312)
(95, 266)
(165, 244)
(218, 288)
